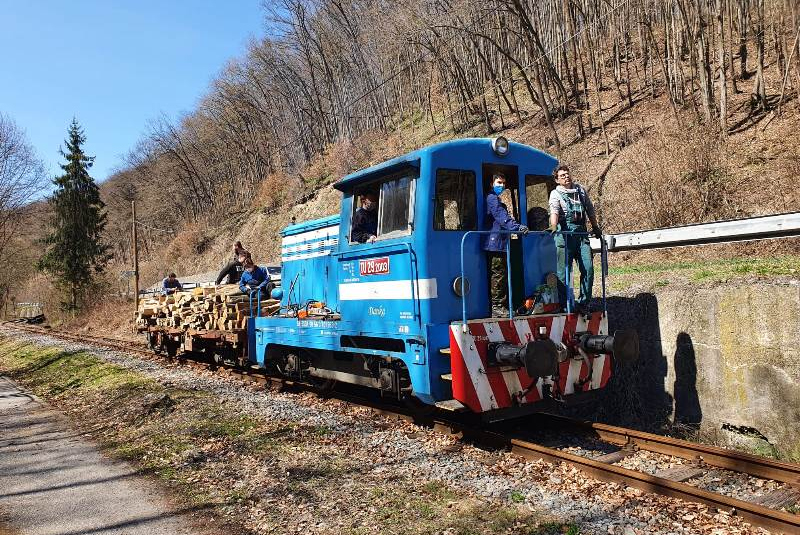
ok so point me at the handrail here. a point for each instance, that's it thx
(258, 306)
(603, 260)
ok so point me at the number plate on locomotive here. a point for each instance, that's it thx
(374, 266)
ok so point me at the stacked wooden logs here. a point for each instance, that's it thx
(223, 308)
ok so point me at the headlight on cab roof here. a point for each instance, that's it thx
(500, 145)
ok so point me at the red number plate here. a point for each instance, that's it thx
(374, 266)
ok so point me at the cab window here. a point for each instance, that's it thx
(454, 205)
(537, 194)
(395, 207)
(394, 214)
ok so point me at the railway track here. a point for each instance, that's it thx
(767, 512)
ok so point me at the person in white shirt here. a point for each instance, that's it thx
(570, 207)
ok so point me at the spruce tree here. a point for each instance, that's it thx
(75, 252)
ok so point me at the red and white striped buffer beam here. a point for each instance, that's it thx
(483, 386)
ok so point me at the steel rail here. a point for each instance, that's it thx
(710, 455)
(758, 515)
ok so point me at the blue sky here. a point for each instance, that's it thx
(114, 65)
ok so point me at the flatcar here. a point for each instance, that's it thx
(409, 314)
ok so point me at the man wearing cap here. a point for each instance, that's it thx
(495, 245)
(570, 207)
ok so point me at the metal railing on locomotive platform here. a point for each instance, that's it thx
(567, 267)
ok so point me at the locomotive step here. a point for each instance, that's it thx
(451, 405)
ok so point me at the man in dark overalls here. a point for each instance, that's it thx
(495, 245)
(570, 207)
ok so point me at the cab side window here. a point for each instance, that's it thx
(537, 193)
(454, 204)
(395, 207)
(383, 208)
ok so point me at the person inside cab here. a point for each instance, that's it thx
(495, 245)
(365, 220)
(570, 207)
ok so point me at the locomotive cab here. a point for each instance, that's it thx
(393, 293)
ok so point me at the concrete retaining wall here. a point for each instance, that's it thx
(724, 360)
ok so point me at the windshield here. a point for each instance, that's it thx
(274, 270)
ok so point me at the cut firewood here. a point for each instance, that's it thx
(207, 308)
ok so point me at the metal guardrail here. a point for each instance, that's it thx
(186, 286)
(750, 229)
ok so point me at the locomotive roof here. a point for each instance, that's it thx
(412, 159)
(314, 224)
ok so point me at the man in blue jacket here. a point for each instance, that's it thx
(254, 278)
(495, 245)
(171, 284)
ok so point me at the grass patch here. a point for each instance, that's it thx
(52, 372)
(435, 507)
(516, 496)
(660, 275)
(767, 267)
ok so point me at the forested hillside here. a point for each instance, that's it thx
(671, 110)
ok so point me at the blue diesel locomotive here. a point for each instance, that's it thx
(408, 313)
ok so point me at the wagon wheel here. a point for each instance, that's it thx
(171, 347)
(154, 343)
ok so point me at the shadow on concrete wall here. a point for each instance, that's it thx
(688, 413)
(635, 395)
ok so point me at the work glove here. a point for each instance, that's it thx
(598, 233)
(523, 230)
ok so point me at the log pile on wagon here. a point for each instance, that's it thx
(223, 308)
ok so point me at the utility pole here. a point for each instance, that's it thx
(135, 258)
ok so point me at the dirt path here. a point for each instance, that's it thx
(52, 481)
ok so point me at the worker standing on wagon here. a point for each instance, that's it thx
(365, 220)
(253, 277)
(495, 245)
(235, 268)
(570, 207)
(171, 284)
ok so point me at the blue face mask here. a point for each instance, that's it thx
(498, 189)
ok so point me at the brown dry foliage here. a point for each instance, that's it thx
(675, 176)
